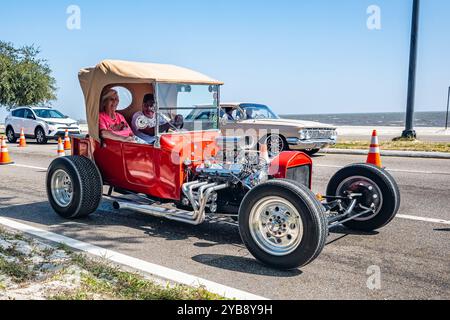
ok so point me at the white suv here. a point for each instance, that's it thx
(41, 124)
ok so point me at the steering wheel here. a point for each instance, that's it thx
(169, 121)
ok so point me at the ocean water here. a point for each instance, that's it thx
(422, 119)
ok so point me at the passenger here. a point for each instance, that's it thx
(144, 122)
(249, 113)
(113, 125)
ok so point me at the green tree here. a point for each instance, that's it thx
(25, 79)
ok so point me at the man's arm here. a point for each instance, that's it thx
(151, 131)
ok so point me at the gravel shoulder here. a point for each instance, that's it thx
(33, 270)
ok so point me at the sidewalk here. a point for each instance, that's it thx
(388, 133)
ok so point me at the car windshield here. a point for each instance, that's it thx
(258, 111)
(49, 114)
(198, 104)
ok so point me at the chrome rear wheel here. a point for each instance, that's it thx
(74, 186)
(62, 188)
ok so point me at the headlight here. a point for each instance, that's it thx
(305, 134)
(302, 134)
(52, 124)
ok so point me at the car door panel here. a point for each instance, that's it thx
(28, 123)
(17, 120)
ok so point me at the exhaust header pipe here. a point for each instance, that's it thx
(196, 217)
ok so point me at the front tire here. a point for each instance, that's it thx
(74, 187)
(379, 189)
(282, 224)
(41, 138)
(11, 135)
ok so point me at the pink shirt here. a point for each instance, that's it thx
(119, 126)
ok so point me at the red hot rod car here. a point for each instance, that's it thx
(193, 173)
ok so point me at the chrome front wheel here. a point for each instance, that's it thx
(375, 189)
(372, 197)
(282, 224)
(276, 226)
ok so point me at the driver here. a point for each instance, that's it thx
(144, 122)
(249, 113)
(228, 114)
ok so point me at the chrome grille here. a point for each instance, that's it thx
(300, 174)
(320, 133)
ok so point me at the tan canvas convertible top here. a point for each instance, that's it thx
(114, 72)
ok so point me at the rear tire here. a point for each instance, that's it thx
(359, 178)
(11, 135)
(40, 136)
(74, 187)
(282, 224)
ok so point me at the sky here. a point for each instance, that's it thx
(299, 56)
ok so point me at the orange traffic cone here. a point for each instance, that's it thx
(61, 151)
(4, 154)
(374, 153)
(264, 153)
(22, 141)
(67, 143)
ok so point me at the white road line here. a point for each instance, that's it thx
(318, 165)
(438, 221)
(28, 167)
(392, 170)
(138, 264)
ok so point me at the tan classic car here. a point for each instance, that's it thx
(261, 122)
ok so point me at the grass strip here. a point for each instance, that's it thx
(396, 145)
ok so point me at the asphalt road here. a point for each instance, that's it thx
(413, 256)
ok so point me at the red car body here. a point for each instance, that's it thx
(160, 172)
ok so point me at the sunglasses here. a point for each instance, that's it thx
(149, 105)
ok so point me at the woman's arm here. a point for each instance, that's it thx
(107, 134)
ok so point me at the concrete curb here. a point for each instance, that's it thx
(391, 153)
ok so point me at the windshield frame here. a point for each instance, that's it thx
(158, 134)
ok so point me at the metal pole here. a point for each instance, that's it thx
(409, 127)
(448, 108)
